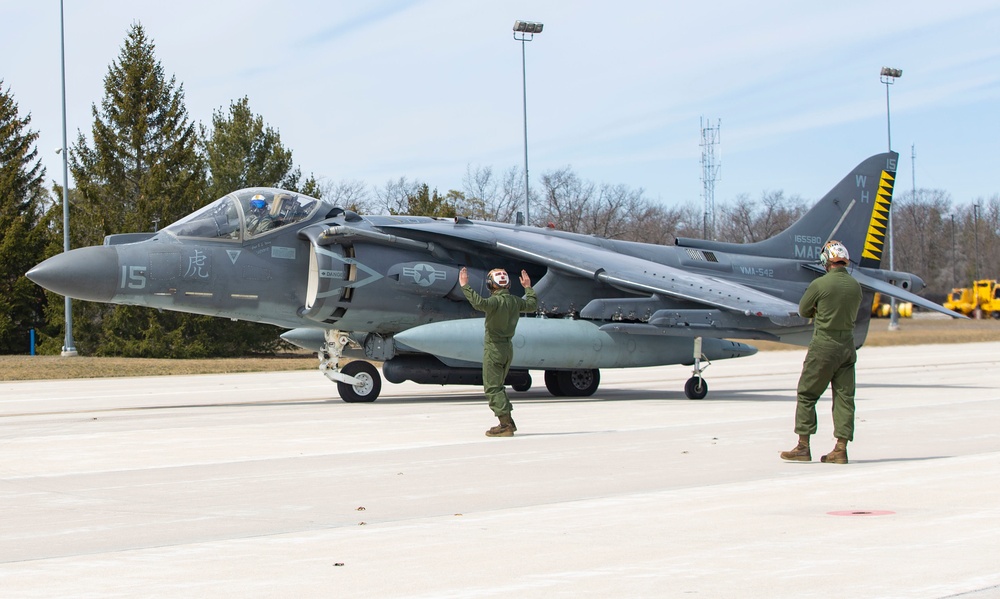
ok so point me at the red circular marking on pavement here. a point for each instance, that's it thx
(861, 513)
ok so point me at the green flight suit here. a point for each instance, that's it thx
(832, 301)
(502, 312)
(257, 223)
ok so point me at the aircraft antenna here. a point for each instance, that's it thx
(710, 137)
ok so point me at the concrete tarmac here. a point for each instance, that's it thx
(267, 485)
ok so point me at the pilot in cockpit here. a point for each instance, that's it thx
(259, 218)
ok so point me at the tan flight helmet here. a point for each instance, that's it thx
(497, 279)
(834, 253)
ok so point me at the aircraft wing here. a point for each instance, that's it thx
(621, 271)
(891, 290)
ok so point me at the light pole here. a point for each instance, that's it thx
(954, 273)
(975, 214)
(888, 76)
(69, 348)
(527, 31)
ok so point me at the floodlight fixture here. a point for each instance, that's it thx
(527, 27)
(888, 75)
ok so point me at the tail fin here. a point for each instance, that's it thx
(855, 212)
(874, 242)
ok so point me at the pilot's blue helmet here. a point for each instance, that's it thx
(257, 204)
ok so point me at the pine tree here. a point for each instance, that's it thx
(144, 168)
(22, 233)
(425, 203)
(243, 152)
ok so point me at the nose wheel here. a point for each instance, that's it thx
(696, 387)
(357, 381)
(367, 388)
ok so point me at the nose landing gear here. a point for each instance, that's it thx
(357, 381)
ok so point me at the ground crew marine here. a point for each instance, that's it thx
(832, 301)
(502, 313)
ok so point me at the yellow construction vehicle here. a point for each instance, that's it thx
(960, 300)
(882, 308)
(987, 299)
(983, 296)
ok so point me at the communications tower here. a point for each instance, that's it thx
(709, 173)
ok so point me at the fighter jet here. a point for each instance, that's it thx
(363, 289)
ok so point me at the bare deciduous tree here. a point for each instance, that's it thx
(352, 194)
(491, 197)
(747, 221)
(566, 200)
(921, 240)
(393, 197)
(979, 239)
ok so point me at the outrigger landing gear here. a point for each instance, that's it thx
(696, 387)
(359, 381)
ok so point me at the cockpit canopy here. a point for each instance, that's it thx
(246, 214)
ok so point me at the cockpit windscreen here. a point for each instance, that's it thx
(246, 214)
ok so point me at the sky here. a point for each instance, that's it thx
(425, 89)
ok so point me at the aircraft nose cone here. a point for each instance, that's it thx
(89, 273)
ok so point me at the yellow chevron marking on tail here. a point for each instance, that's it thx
(880, 218)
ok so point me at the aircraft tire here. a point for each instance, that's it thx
(371, 383)
(578, 383)
(696, 388)
(524, 387)
(552, 383)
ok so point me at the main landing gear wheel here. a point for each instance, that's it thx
(696, 388)
(552, 383)
(522, 388)
(367, 390)
(572, 383)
